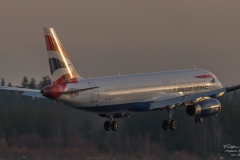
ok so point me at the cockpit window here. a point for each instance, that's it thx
(213, 80)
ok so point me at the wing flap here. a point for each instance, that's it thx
(203, 94)
(165, 103)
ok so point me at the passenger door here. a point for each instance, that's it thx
(95, 94)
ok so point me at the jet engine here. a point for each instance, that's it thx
(205, 108)
(116, 115)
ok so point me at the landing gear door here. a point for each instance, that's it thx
(94, 92)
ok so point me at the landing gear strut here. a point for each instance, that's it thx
(108, 125)
(172, 124)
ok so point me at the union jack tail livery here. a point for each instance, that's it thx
(61, 68)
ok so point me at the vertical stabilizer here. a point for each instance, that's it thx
(61, 68)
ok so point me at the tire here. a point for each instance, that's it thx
(107, 125)
(196, 119)
(165, 125)
(114, 126)
(200, 119)
(173, 125)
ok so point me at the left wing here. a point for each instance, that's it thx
(233, 88)
(34, 93)
(177, 99)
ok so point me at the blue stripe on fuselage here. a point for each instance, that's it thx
(119, 108)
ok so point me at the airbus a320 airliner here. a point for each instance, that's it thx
(119, 96)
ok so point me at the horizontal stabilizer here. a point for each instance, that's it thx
(26, 92)
(33, 94)
(19, 89)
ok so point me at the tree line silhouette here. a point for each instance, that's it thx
(43, 127)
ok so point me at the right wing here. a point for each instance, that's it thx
(34, 93)
(177, 99)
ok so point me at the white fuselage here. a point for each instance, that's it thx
(118, 93)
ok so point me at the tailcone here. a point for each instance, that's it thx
(53, 91)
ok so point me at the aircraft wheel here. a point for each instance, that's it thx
(114, 126)
(200, 119)
(107, 125)
(196, 119)
(173, 125)
(165, 125)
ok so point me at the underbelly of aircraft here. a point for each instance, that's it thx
(115, 108)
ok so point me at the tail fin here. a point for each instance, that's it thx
(61, 67)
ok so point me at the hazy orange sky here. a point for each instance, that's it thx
(129, 36)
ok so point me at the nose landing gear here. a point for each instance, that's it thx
(199, 119)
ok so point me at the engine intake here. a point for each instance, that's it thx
(205, 108)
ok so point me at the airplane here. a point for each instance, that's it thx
(119, 96)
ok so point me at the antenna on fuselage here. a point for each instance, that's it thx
(195, 67)
(119, 73)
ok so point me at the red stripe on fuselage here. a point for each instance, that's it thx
(204, 76)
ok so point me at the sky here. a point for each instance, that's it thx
(129, 36)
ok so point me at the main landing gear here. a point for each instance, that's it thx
(172, 124)
(108, 125)
(199, 119)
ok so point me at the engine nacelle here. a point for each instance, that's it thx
(205, 108)
(116, 115)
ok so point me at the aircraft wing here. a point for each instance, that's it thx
(161, 103)
(233, 88)
(34, 93)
